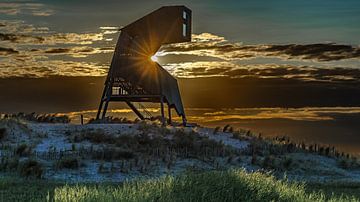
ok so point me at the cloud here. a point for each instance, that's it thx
(52, 39)
(25, 8)
(231, 70)
(35, 68)
(23, 39)
(320, 52)
(208, 55)
(19, 32)
(20, 27)
(77, 51)
(297, 114)
(40, 52)
(207, 44)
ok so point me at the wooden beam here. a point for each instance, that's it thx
(135, 110)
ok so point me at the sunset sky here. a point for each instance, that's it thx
(54, 55)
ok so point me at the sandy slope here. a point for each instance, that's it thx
(51, 141)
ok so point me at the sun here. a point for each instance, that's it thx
(154, 58)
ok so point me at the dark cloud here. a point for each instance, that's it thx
(58, 50)
(321, 52)
(303, 73)
(8, 51)
(14, 38)
(51, 39)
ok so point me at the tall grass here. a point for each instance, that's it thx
(234, 185)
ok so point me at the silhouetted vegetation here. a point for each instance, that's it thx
(111, 119)
(40, 118)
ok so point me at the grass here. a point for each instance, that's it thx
(68, 162)
(233, 185)
(336, 189)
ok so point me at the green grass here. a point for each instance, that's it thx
(336, 189)
(234, 185)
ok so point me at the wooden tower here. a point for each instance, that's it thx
(133, 76)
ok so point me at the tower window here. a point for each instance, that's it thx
(116, 90)
(184, 30)
(184, 15)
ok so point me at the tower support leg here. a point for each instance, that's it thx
(184, 120)
(105, 108)
(162, 111)
(101, 103)
(169, 115)
(106, 97)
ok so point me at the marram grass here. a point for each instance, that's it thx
(234, 185)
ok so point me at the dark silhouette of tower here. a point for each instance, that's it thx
(133, 76)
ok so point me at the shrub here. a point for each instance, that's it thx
(119, 153)
(254, 159)
(128, 141)
(145, 127)
(226, 128)
(269, 162)
(183, 139)
(238, 135)
(124, 154)
(113, 153)
(23, 150)
(109, 120)
(216, 130)
(287, 163)
(68, 162)
(348, 164)
(3, 133)
(101, 167)
(13, 163)
(98, 136)
(73, 147)
(9, 164)
(31, 168)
